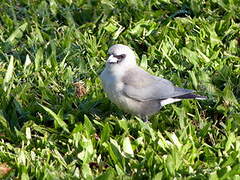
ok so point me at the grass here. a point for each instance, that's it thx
(52, 126)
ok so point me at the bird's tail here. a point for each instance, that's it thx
(191, 96)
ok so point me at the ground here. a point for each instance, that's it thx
(57, 123)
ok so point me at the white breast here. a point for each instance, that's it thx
(113, 87)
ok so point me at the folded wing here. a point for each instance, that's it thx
(142, 86)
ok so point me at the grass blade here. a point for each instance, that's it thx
(8, 75)
(56, 117)
(18, 33)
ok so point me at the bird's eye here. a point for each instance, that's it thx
(120, 56)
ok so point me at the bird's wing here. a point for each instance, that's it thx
(142, 86)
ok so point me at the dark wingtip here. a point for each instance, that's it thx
(192, 96)
(201, 97)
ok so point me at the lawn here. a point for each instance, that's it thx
(57, 123)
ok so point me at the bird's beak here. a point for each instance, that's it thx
(112, 59)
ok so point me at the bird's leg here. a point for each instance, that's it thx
(144, 118)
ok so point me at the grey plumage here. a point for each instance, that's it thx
(145, 87)
(135, 90)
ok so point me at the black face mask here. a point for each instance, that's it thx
(119, 57)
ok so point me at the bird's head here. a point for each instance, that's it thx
(120, 56)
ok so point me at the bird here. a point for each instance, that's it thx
(136, 91)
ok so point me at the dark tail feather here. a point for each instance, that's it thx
(191, 96)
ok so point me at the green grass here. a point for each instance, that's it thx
(47, 131)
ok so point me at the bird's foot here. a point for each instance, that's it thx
(144, 118)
